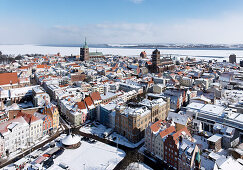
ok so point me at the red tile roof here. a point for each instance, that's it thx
(88, 101)
(7, 78)
(4, 125)
(43, 66)
(29, 118)
(95, 96)
(167, 131)
(156, 126)
(81, 105)
(179, 133)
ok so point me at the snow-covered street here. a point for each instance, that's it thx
(101, 130)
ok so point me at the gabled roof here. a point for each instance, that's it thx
(29, 118)
(81, 105)
(180, 133)
(88, 101)
(7, 78)
(156, 126)
(95, 96)
(4, 126)
(167, 131)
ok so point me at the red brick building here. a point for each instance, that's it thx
(171, 146)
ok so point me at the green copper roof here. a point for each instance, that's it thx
(85, 44)
(198, 157)
(95, 54)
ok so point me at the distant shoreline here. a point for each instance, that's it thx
(144, 47)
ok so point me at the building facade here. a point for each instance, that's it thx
(132, 122)
(232, 58)
(15, 134)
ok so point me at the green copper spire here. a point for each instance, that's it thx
(85, 44)
(198, 158)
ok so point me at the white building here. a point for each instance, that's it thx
(158, 88)
(15, 133)
(186, 81)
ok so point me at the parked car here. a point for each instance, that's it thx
(85, 138)
(52, 144)
(45, 147)
(57, 153)
(48, 163)
(92, 141)
(63, 165)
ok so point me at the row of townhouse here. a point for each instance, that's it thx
(20, 133)
(77, 110)
(26, 128)
(175, 147)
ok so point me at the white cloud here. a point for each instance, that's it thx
(227, 29)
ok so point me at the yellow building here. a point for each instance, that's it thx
(52, 110)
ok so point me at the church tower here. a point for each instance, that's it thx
(156, 57)
(84, 52)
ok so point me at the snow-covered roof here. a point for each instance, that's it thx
(196, 106)
(152, 103)
(228, 163)
(213, 109)
(214, 138)
(71, 140)
(178, 118)
(109, 106)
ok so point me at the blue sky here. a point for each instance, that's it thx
(121, 21)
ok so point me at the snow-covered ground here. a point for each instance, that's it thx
(138, 166)
(200, 54)
(124, 141)
(90, 156)
(99, 130)
(96, 129)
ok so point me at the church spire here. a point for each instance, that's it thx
(85, 43)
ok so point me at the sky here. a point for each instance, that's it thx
(121, 21)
